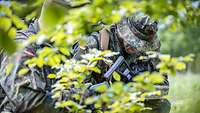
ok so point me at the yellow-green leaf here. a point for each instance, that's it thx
(116, 76)
(18, 22)
(180, 66)
(95, 69)
(23, 71)
(156, 78)
(51, 76)
(5, 23)
(9, 68)
(101, 88)
(96, 59)
(12, 33)
(64, 51)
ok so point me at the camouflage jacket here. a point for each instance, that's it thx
(27, 92)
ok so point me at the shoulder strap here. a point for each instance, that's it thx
(104, 39)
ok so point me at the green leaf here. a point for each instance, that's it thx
(96, 59)
(18, 22)
(189, 58)
(116, 17)
(101, 88)
(165, 58)
(51, 76)
(56, 94)
(57, 59)
(69, 103)
(5, 10)
(139, 78)
(102, 53)
(23, 71)
(9, 68)
(117, 87)
(6, 42)
(136, 107)
(91, 100)
(40, 62)
(52, 16)
(79, 68)
(5, 23)
(95, 69)
(64, 51)
(156, 78)
(12, 33)
(180, 66)
(116, 76)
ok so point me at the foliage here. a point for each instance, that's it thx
(9, 23)
(62, 26)
(71, 92)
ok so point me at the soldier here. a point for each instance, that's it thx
(30, 93)
(130, 37)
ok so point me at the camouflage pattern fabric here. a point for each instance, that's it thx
(30, 91)
(130, 36)
(2, 93)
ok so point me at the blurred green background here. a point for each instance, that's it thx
(184, 93)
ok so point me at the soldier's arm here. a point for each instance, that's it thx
(164, 86)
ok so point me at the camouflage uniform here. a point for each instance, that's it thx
(30, 90)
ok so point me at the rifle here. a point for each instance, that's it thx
(126, 73)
